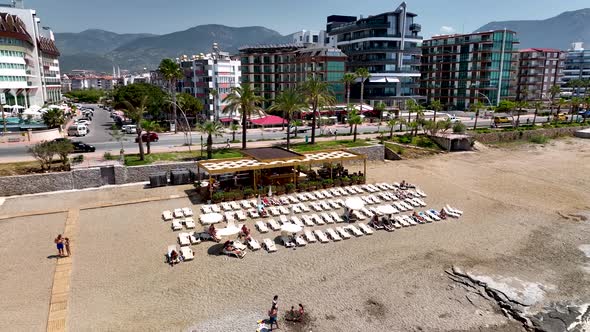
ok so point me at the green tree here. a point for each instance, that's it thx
(149, 127)
(289, 102)
(244, 98)
(189, 104)
(233, 127)
(459, 128)
(554, 91)
(119, 137)
(171, 72)
(380, 108)
(63, 149)
(54, 118)
(348, 79)
(135, 93)
(444, 125)
(414, 107)
(521, 105)
(136, 113)
(85, 96)
(436, 106)
(43, 152)
(354, 119)
(476, 108)
(538, 105)
(363, 74)
(391, 124)
(210, 128)
(317, 93)
(574, 106)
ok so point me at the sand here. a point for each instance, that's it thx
(522, 220)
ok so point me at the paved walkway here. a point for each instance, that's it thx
(60, 291)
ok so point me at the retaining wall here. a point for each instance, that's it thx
(373, 152)
(36, 183)
(507, 136)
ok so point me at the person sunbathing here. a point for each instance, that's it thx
(229, 247)
(418, 217)
(173, 257)
(213, 233)
(245, 232)
(442, 214)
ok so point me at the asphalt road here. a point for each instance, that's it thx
(101, 127)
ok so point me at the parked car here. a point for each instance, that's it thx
(77, 129)
(83, 147)
(130, 129)
(82, 121)
(501, 120)
(585, 113)
(152, 137)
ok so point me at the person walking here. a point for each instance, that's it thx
(272, 319)
(59, 242)
(67, 243)
(275, 303)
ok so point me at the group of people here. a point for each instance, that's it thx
(228, 247)
(405, 185)
(62, 243)
(293, 315)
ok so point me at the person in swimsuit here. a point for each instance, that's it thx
(59, 241)
(67, 243)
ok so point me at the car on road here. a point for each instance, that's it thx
(152, 137)
(561, 117)
(77, 129)
(501, 120)
(78, 146)
(83, 121)
(454, 119)
(584, 113)
(129, 129)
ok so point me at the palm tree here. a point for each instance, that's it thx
(171, 73)
(149, 127)
(348, 79)
(136, 114)
(380, 108)
(354, 119)
(288, 101)
(538, 105)
(575, 105)
(245, 98)
(392, 123)
(560, 104)
(233, 127)
(210, 128)
(554, 91)
(436, 106)
(215, 94)
(54, 117)
(414, 107)
(520, 105)
(363, 74)
(477, 106)
(317, 93)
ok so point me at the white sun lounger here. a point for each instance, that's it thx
(261, 226)
(274, 211)
(343, 233)
(297, 221)
(327, 193)
(176, 225)
(215, 208)
(234, 205)
(406, 205)
(206, 209)
(189, 223)
(229, 216)
(375, 199)
(316, 207)
(226, 207)
(384, 196)
(402, 221)
(284, 200)
(309, 236)
(241, 216)
(355, 231)
(307, 220)
(396, 220)
(283, 210)
(317, 219)
(301, 197)
(253, 244)
(459, 212)
(167, 215)
(333, 235)
(399, 206)
(365, 229)
(269, 245)
(194, 238)
(325, 205)
(283, 219)
(421, 193)
(367, 212)
(296, 209)
(425, 216)
(451, 213)
(420, 201)
(274, 225)
(359, 215)
(375, 211)
(178, 213)
(300, 242)
(334, 204)
(334, 192)
(366, 199)
(186, 253)
(318, 195)
(183, 239)
(253, 213)
(328, 218)
(321, 236)
(340, 202)
(434, 216)
(245, 204)
(410, 220)
(240, 246)
(336, 217)
(412, 202)
(304, 207)
(350, 190)
(293, 199)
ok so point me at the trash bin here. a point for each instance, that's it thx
(158, 179)
(306, 139)
(179, 176)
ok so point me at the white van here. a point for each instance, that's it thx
(131, 129)
(77, 130)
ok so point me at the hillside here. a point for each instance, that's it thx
(93, 41)
(556, 32)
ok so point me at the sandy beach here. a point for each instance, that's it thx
(526, 215)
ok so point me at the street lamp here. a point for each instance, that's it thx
(188, 131)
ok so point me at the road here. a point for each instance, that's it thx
(101, 127)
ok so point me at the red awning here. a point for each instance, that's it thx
(269, 120)
(225, 120)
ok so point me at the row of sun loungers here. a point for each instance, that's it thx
(176, 224)
(177, 213)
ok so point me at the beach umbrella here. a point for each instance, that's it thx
(291, 228)
(269, 191)
(354, 203)
(211, 218)
(386, 209)
(230, 230)
(258, 201)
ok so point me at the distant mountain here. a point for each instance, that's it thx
(138, 51)
(556, 32)
(93, 41)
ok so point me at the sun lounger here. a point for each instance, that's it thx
(399, 206)
(274, 225)
(359, 215)
(178, 213)
(384, 196)
(321, 236)
(402, 221)
(253, 213)
(296, 209)
(316, 207)
(206, 209)
(241, 216)
(186, 253)
(176, 225)
(327, 194)
(406, 205)
(297, 221)
(304, 207)
(234, 205)
(451, 213)
(194, 237)
(293, 199)
(411, 220)
(318, 195)
(334, 192)
(269, 245)
(307, 220)
(309, 236)
(375, 199)
(375, 211)
(325, 205)
(412, 202)
(245, 204)
(301, 197)
(343, 233)
(287, 242)
(355, 231)
(420, 201)
(334, 205)
(253, 244)
(317, 219)
(283, 210)
(328, 218)
(261, 226)
(167, 215)
(366, 199)
(421, 193)
(456, 211)
(183, 239)
(189, 223)
(215, 208)
(229, 216)
(364, 228)
(300, 242)
(432, 214)
(336, 217)
(397, 222)
(350, 190)
(240, 246)
(340, 202)
(284, 200)
(226, 207)
(425, 216)
(274, 211)
(283, 219)
(367, 212)
(333, 235)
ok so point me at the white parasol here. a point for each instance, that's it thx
(228, 231)
(354, 203)
(386, 209)
(291, 228)
(211, 218)
(269, 191)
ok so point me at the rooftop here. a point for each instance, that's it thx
(269, 154)
(268, 47)
(526, 50)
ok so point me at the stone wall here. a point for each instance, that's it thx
(86, 178)
(390, 155)
(142, 173)
(36, 183)
(507, 136)
(373, 152)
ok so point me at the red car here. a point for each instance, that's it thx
(152, 137)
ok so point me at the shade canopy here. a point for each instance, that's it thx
(354, 203)
(211, 218)
(386, 209)
(269, 120)
(228, 231)
(291, 228)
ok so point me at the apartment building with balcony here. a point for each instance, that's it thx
(204, 73)
(538, 70)
(29, 65)
(462, 69)
(275, 68)
(388, 45)
(576, 67)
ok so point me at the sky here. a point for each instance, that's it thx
(284, 16)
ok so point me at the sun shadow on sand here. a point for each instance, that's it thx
(53, 256)
(215, 250)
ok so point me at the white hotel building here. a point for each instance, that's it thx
(29, 65)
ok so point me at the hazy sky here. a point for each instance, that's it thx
(285, 16)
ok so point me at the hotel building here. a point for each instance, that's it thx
(538, 70)
(576, 67)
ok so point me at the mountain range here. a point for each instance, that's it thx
(99, 49)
